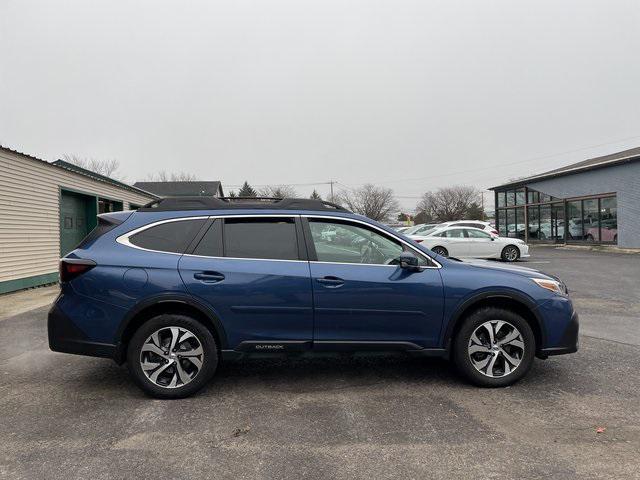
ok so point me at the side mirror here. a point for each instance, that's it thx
(409, 261)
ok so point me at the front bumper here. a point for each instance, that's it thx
(66, 337)
(569, 341)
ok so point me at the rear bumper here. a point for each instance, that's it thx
(569, 342)
(66, 337)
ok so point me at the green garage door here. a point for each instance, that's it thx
(77, 218)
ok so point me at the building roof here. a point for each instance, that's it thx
(617, 158)
(182, 189)
(82, 171)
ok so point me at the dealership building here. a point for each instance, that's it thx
(46, 209)
(592, 201)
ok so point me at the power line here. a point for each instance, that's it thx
(505, 164)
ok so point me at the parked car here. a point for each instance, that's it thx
(421, 229)
(473, 243)
(482, 225)
(183, 284)
(608, 231)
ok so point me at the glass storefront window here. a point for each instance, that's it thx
(534, 222)
(545, 198)
(520, 226)
(574, 220)
(502, 223)
(501, 199)
(558, 223)
(609, 219)
(511, 222)
(545, 223)
(520, 199)
(590, 224)
(511, 198)
(533, 197)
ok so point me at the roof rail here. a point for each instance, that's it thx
(248, 203)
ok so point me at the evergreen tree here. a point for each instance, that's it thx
(232, 194)
(315, 195)
(247, 190)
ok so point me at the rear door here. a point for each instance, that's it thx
(253, 272)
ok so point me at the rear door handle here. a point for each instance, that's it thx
(330, 282)
(209, 277)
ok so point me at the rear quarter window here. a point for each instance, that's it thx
(172, 237)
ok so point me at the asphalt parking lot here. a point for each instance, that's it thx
(65, 416)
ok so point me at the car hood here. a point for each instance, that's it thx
(506, 267)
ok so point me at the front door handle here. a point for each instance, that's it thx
(209, 277)
(330, 282)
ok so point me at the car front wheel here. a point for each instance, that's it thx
(172, 356)
(510, 253)
(494, 347)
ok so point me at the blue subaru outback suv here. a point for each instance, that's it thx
(179, 285)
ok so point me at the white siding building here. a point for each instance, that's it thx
(45, 210)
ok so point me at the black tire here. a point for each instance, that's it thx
(203, 375)
(440, 251)
(461, 342)
(510, 253)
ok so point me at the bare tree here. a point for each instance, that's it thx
(278, 191)
(163, 176)
(108, 168)
(377, 203)
(450, 203)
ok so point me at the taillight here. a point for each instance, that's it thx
(419, 241)
(495, 232)
(71, 268)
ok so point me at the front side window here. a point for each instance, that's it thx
(344, 242)
(269, 238)
(478, 234)
(172, 237)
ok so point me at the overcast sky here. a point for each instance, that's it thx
(414, 95)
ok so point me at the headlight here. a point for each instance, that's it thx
(553, 285)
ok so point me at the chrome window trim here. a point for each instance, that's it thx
(124, 238)
(437, 264)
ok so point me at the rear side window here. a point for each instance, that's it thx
(173, 237)
(264, 238)
(211, 243)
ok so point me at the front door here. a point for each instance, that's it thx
(362, 296)
(480, 243)
(249, 270)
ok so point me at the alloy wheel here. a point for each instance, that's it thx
(511, 254)
(171, 357)
(496, 348)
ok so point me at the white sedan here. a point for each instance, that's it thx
(473, 243)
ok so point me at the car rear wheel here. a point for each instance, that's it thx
(440, 251)
(172, 356)
(494, 347)
(510, 253)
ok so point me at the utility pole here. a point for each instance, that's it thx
(331, 183)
